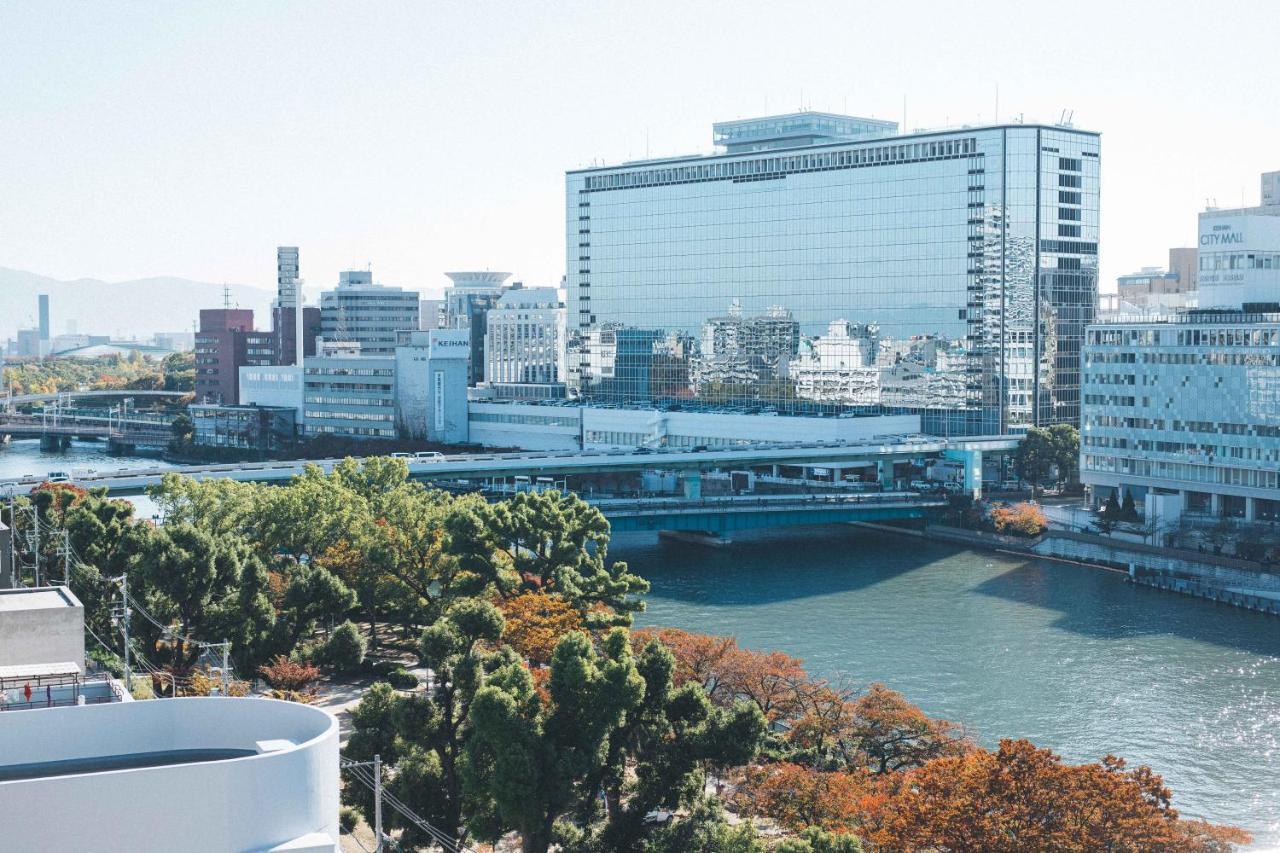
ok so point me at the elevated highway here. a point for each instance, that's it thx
(723, 515)
(486, 466)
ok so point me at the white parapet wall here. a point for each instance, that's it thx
(147, 776)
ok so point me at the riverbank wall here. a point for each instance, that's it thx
(1220, 579)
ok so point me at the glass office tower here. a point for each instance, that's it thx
(827, 265)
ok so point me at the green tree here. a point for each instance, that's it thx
(656, 757)
(549, 542)
(817, 840)
(527, 760)
(1129, 509)
(1065, 439)
(705, 830)
(183, 429)
(314, 596)
(1036, 455)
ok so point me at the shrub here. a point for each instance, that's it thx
(344, 650)
(288, 675)
(348, 818)
(402, 679)
(1021, 519)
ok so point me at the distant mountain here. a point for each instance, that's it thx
(123, 309)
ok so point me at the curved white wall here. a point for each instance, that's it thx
(242, 804)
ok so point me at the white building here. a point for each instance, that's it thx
(1240, 258)
(431, 385)
(1188, 409)
(524, 346)
(369, 314)
(349, 393)
(195, 774)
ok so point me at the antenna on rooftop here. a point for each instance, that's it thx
(226, 296)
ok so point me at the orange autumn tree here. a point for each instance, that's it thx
(799, 797)
(535, 622)
(1020, 798)
(1020, 519)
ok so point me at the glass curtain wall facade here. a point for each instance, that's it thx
(950, 274)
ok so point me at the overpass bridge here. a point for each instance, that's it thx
(11, 400)
(884, 454)
(723, 515)
(56, 431)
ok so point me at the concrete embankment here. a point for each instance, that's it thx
(1221, 579)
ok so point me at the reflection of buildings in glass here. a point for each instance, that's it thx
(748, 353)
(923, 372)
(961, 236)
(840, 366)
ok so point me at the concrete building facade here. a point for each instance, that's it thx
(348, 393)
(431, 385)
(524, 347)
(1188, 409)
(359, 311)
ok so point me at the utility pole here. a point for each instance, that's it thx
(123, 616)
(226, 651)
(65, 550)
(377, 803)
(35, 532)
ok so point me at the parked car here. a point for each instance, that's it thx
(952, 487)
(428, 456)
(58, 477)
(698, 448)
(923, 485)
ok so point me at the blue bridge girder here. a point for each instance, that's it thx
(751, 512)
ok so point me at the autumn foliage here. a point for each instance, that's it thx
(284, 674)
(1020, 798)
(1020, 519)
(871, 763)
(535, 622)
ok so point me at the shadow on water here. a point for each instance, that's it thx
(773, 566)
(1100, 604)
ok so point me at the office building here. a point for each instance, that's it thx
(260, 429)
(125, 776)
(226, 342)
(1187, 411)
(359, 311)
(28, 344)
(1239, 254)
(466, 303)
(431, 372)
(284, 310)
(348, 393)
(981, 241)
(524, 346)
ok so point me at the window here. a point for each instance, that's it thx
(1069, 180)
(1066, 197)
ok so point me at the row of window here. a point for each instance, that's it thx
(1186, 471)
(778, 166)
(1239, 261)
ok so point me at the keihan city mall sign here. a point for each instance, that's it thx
(1222, 235)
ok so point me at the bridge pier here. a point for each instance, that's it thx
(693, 485)
(50, 442)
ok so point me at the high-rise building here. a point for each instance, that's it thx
(524, 344)
(44, 316)
(983, 240)
(369, 314)
(285, 309)
(466, 303)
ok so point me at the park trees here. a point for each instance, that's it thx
(1020, 519)
(550, 542)
(528, 759)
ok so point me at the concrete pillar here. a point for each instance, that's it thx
(972, 462)
(693, 485)
(1215, 504)
(836, 474)
(775, 470)
(1250, 509)
(884, 468)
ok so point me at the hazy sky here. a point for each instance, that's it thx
(192, 138)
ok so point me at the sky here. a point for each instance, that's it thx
(190, 139)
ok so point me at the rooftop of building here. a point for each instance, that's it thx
(807, 130)
(37, 598)
(478, 278)
(1248, 315)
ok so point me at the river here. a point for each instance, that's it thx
(18, 459)
(1071, 658)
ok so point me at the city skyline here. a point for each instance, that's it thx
(338, 158)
